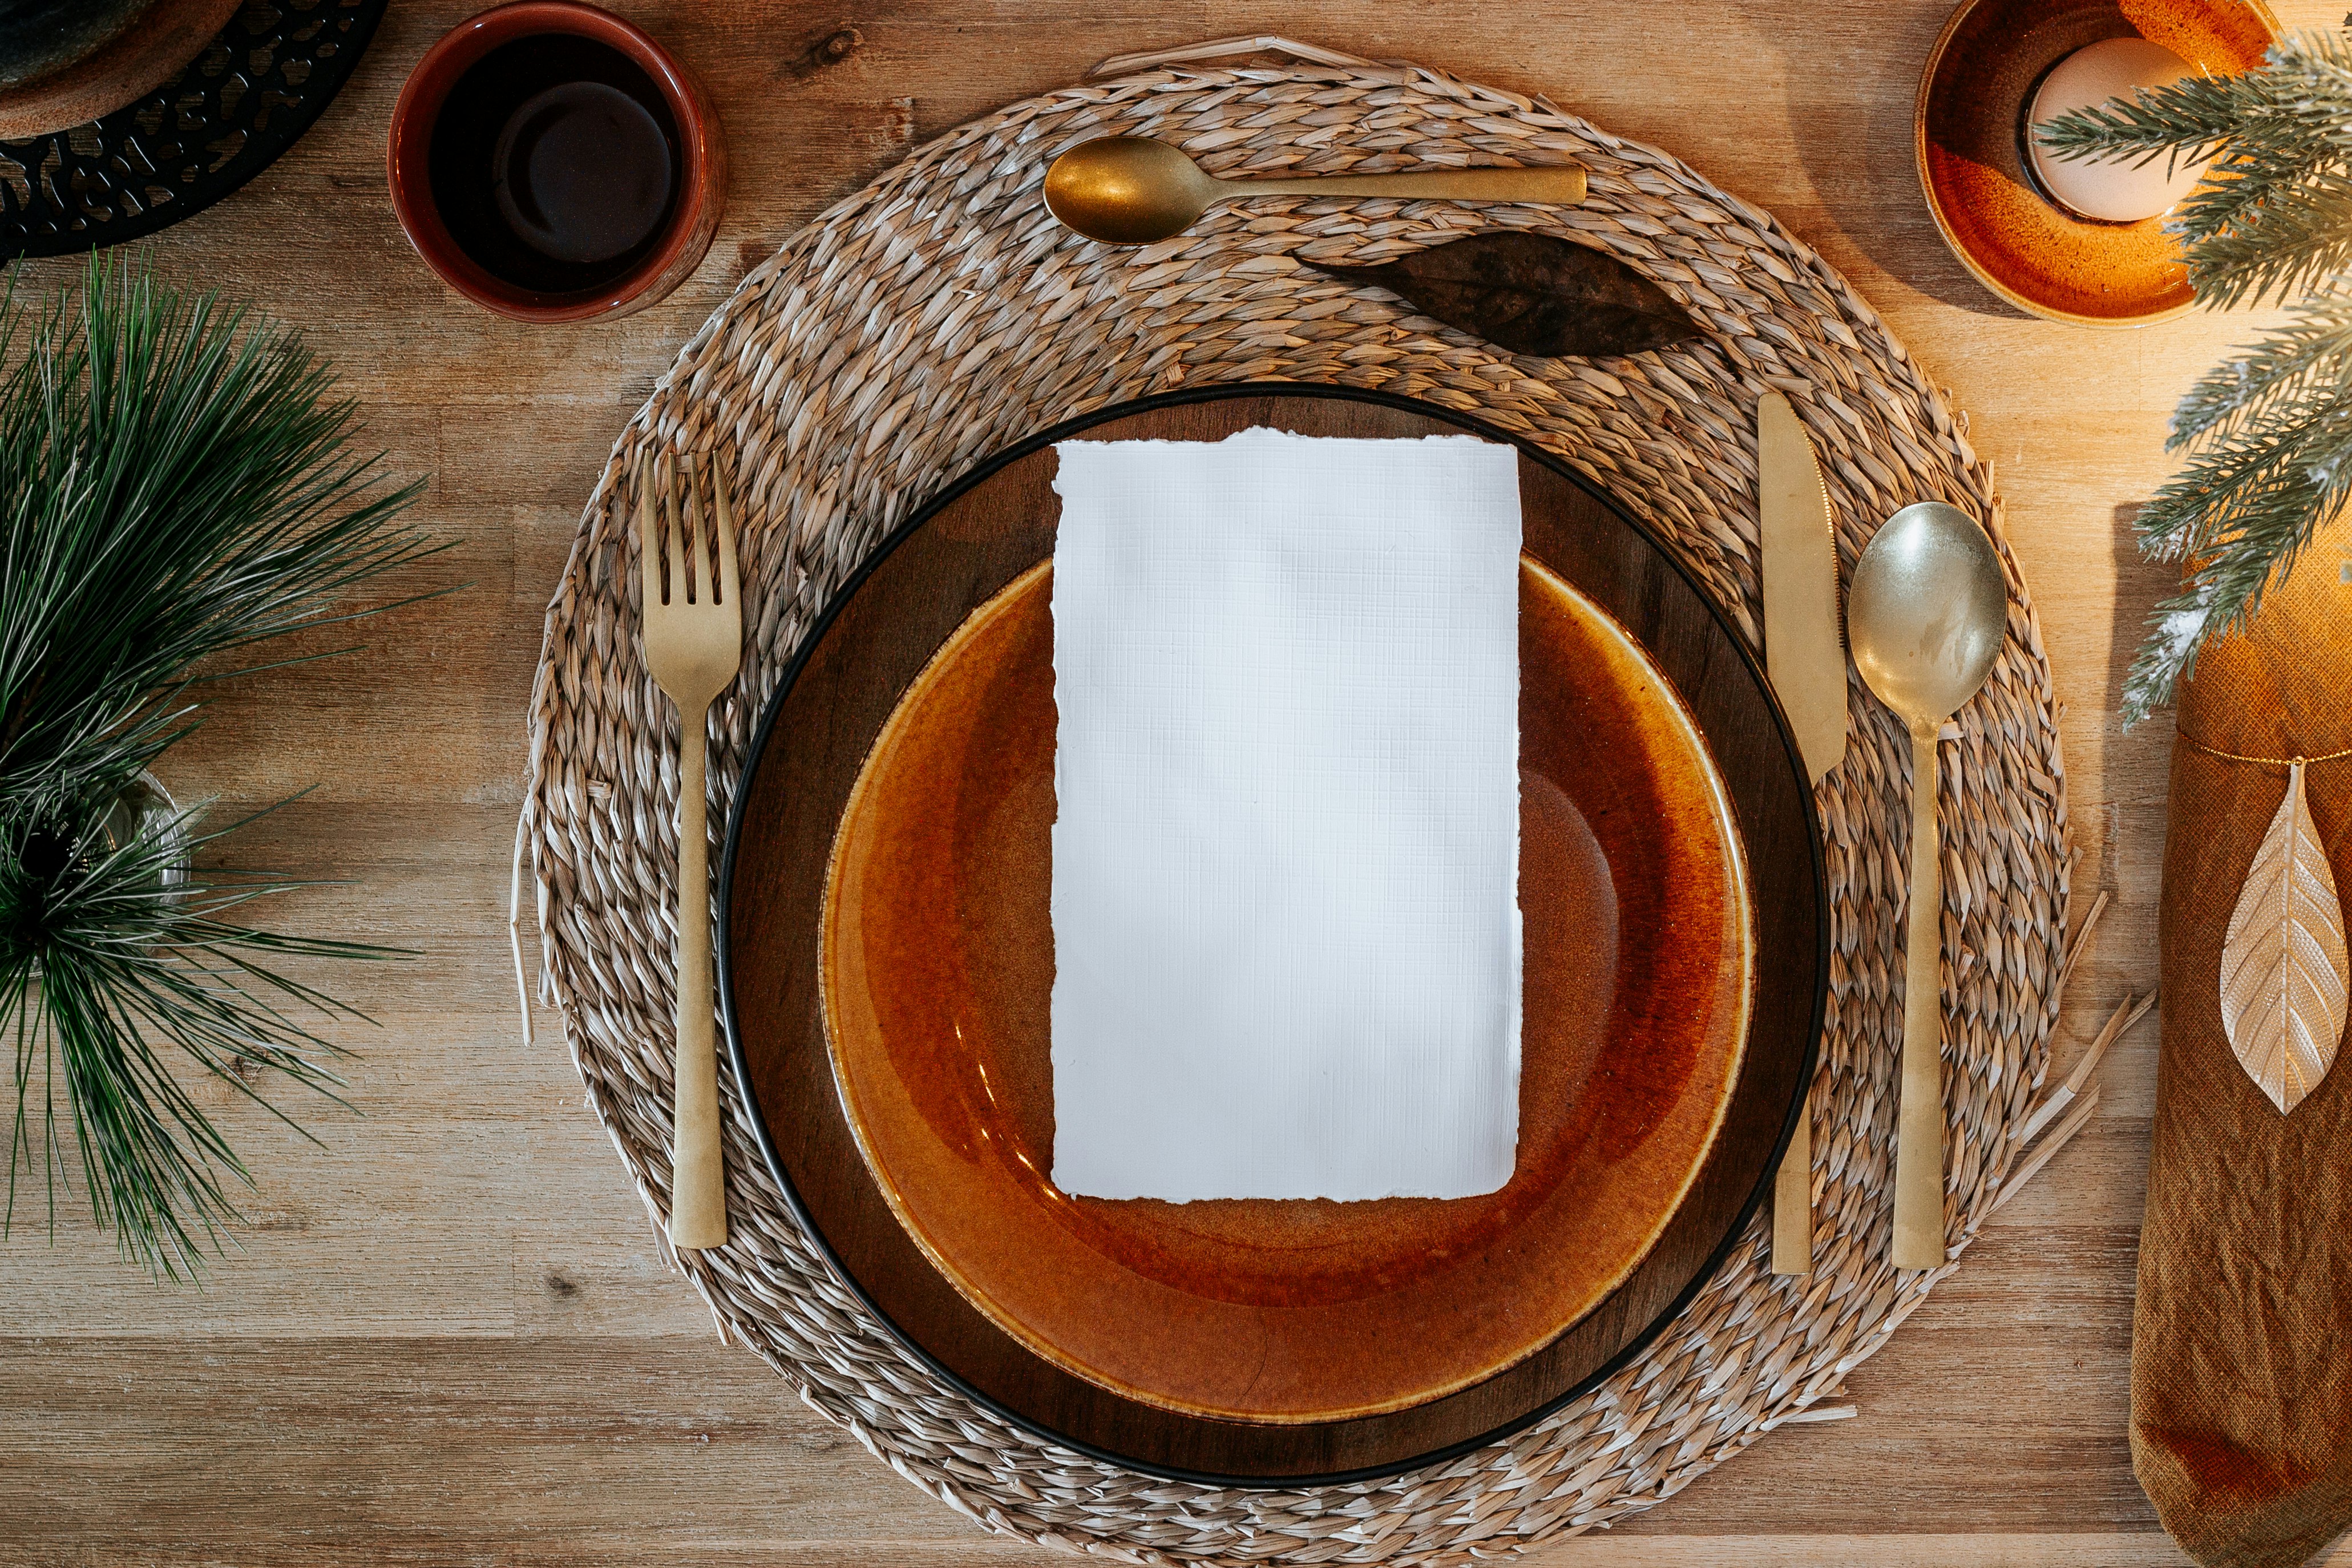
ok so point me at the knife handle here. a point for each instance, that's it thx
(1919, 1120)
(1792, 1198)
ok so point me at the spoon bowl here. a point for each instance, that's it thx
(1127, 190)
(1132, 190)
(1925, 616)
(1927, 610)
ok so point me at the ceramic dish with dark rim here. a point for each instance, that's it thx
(938, 958)
(65, 62)
(1968, 131)
(1675, 974)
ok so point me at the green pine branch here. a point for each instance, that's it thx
(176, 485)
(130, 965)
(2268, 433)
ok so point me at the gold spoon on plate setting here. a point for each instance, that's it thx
(1925, 615)
(1132, 190)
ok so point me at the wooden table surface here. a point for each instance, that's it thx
(449, 1338)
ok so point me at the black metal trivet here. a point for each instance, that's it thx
(183, 147)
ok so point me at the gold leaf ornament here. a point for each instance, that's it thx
(2283, 970)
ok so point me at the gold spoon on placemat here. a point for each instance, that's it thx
(1924, 617)
(1132, 190)
(694, 643)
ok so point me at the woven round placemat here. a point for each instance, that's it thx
(941, 314)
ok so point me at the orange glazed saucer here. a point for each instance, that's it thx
(1968, 131)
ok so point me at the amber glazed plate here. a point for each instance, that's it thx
(888, 960)
(938, 959)
(1968, 129)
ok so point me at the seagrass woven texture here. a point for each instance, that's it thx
(941, 314)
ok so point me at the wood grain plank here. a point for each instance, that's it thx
(450, 1339)
(540, 1439)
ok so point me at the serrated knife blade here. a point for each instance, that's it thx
(1804, 655)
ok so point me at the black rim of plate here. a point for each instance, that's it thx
(1063, 431)
(240, 105)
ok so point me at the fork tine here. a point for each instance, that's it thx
(729, 584)
(695, 506)
(648, 535)
(682, 575)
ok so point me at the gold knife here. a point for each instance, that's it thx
(1804, 654)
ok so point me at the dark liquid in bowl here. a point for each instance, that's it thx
(581, 172)
(555, 164)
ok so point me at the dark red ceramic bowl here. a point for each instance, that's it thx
(422, 187)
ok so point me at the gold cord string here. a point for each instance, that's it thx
(2268, 762)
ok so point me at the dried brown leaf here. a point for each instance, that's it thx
(1533, 294)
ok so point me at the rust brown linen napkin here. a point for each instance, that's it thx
(2242, 1338)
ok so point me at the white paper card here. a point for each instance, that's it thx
(1285, 859)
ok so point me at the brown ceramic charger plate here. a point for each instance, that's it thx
(1969, 127)
(1672, 1001)
(64, 62)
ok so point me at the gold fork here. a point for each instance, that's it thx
(694, 644)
